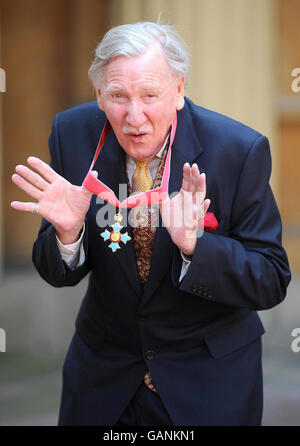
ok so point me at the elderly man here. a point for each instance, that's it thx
(168, 331)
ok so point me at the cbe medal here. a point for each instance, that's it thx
(115, 237)
(148, 197)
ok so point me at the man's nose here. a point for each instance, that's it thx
(135, 115)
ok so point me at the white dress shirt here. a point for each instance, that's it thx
(73, 254)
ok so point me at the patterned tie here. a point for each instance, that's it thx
(142, 179)
(143, 236)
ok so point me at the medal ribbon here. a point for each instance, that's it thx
(142, 198)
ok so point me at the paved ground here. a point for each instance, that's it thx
(281, 394)
(34, 400)
(39, 322)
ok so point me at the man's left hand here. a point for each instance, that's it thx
(185, 212)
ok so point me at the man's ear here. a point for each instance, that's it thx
(98, 94)
(180, 93)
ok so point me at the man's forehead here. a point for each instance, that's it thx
(152, 60)
(151, 52)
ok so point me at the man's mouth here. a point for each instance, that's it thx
(137, 136)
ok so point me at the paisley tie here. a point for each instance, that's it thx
(143, 234)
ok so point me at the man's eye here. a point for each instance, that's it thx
(149, 97)
(118, 97)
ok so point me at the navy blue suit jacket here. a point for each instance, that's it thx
(201, 338)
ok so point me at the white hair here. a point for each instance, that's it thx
(133, 40)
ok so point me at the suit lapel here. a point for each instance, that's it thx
(111, 164)
(186, 148)
(111, 168)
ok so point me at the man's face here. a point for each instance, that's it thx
(140, 96)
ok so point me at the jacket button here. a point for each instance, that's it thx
(204, 293)
(194, 288)
(150, 354)
(209, 294)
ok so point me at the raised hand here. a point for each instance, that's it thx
(184, 213)
(58, 201)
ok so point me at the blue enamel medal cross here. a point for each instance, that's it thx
(115, 236)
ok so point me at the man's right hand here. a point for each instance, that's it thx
(60, 202)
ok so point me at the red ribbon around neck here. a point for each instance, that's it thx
(145, 198)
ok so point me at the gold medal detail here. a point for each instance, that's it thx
(115, 237)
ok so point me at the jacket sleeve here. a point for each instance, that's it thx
(45, 254)
(249, 267)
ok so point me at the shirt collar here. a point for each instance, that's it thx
(159, 154)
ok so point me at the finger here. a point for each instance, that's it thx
(202, 211)
(195, 177)
(44, 169)
(32, 177)
(206, 205)
(85, 190)
(199, 181)
(200, 190)
(23, 206)
(27, 187)
(186, 180)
